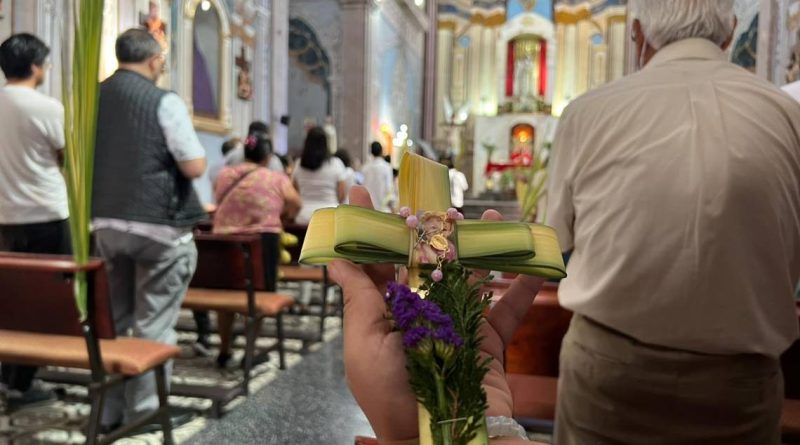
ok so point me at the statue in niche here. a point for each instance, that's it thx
(524, 78)
(330, 133)
(206, 53)
(244, 84)
(154, 25)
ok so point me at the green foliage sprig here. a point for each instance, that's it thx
(446, 373)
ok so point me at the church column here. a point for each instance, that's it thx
(280, 74)
(261, 59)
(444, 57)
(355, 69)
(488, 75)
(429, 97)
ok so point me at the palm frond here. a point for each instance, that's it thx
(80, 89)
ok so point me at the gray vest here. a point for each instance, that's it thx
(135, 176)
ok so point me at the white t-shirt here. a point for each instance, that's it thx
(318, 188)
(32, 189)
(379, 181)
(458, 185)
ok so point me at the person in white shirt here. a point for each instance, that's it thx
(350, 174)
(320, 178)
(144, 209)
(458, 184)
(379, 179)
(235, 155)
(33, 195)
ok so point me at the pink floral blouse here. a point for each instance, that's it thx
(254, 204)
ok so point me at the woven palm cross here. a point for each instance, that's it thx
(368, 236)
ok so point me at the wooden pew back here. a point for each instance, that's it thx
(222, 265)
(36, 295)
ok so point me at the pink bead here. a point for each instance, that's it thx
(452, 213)
(436, 275)
(405, 212)
(412, 221)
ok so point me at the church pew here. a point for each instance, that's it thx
(531, 359)
(39, 326)
(230, 272)
(294, 273)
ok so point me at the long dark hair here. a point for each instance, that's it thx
(257, 147)
(315, 149)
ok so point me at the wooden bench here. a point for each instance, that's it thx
(532, 359)
(319, 275)
(230, 270)
(40, 326)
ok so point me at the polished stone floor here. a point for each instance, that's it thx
(307, 406)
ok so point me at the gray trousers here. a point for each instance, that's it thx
(613, 389)
(148, 281)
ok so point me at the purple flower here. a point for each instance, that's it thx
(419, 319)
(448, 335)
(413, 336)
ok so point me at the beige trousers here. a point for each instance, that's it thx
(615, 390)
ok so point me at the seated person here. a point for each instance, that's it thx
(251, 199)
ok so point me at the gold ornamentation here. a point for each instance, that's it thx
(439, 242)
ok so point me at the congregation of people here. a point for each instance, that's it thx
(145, 207)
(675, 191)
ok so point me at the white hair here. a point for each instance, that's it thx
(667, 21)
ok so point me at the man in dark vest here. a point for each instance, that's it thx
(144, 207)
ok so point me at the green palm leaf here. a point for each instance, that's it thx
(80, 88)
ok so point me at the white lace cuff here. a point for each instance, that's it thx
(504, 427)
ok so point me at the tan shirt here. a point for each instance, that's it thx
(678, 188)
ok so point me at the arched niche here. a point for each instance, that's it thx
(205, 52)
(531, 27)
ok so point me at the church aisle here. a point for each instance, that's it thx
(310, 404)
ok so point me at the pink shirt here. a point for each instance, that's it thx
(254, 204)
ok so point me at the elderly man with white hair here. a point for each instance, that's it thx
(677, 189)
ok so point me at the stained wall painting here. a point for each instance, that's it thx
(310, 78)
(744, 48)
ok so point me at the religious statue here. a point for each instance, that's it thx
(523, 75)
(155, 26)
(330, 132)
(244, 84)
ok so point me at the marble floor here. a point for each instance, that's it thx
(307, 406)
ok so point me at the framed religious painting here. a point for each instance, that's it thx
(206, 49)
